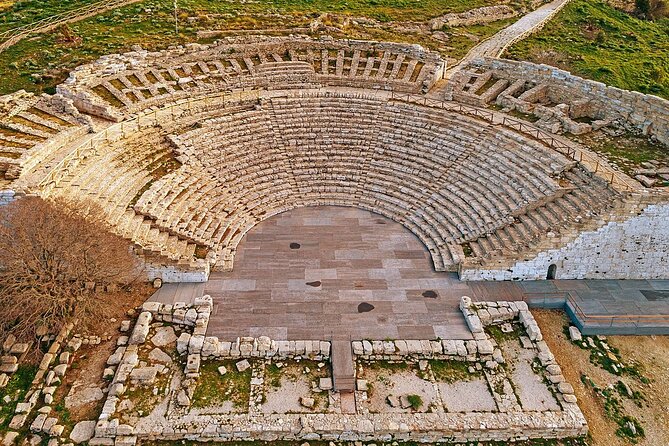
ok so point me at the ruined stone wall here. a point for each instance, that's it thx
(476, 16)
(646, 113)
(636, 248)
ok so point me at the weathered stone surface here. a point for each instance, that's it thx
(144, 375)
(242, 365)
(157, 355)
(164, 336)
(575, 333)
(82, 431)
(82, 396)
(325, 383)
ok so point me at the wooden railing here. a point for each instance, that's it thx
(590, 162)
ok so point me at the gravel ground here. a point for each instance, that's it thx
(653, 354)
(286, 399)
(530, 387)
(397, 384)
(467, 396)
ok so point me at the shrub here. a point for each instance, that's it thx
(57, 259)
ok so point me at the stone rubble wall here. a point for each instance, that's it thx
(141, 79)
(481, 314)
(514, 424)
(647, 113)
(50, 374)
(485, 14)
(634, 247)
(210, 347)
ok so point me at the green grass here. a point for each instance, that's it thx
(17, 387)
(43, 61)
(596, 41)
(214, 389)
(495, 332)
(448, 371)
(613, 407)
(416, 401)
(627, 151)
(28, 11)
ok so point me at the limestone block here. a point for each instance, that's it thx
(325, 383)
(18, 421)
(164, 336)
(60, 370)
(141, 330)
(38, 423)
(182, 343)
(190, 316)
(82, 431)
(485, 347)
(243, 365)
(450, 348)
(116, 357)
(575, 333)
(144, 375)
(210, 346)
(195, 344)
(465, 303)
(10, 438)
(193, 363)
(151, 307)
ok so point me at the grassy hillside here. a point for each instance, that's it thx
(41, 62)
(596, 41)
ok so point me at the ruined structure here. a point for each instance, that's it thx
(188, 148)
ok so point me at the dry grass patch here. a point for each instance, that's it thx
(215, 389)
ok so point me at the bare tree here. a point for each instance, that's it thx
(56, 260)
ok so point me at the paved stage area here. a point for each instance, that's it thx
(334, 272)
(316, 273)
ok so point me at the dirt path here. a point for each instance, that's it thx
(651, 352)
(523, 27)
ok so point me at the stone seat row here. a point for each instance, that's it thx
(346, 173)
(587, 198)
(160, 79)
(550, 109)
(256, 184)
(131, 173)
(26, 131)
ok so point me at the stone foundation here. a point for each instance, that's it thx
(646, 113)
(632, 248)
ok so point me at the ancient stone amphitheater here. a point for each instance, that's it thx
(187, 149)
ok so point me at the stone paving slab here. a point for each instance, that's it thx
(348, 256)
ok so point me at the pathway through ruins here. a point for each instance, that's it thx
(523, 27)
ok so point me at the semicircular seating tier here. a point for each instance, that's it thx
(117, 85)
(191, 190)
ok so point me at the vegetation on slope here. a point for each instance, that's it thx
(27, 11)
(41, 62)
(592, 39)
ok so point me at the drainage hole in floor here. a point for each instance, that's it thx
(365, 307)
